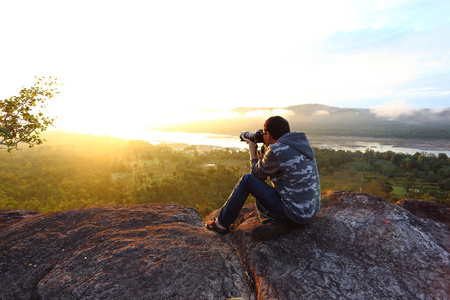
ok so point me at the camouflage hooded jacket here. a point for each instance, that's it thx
(292, 168)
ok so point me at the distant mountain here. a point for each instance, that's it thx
(427, 116)
(326, 120)
(418, 116)
(318, 119)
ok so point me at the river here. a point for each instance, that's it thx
(408, 146)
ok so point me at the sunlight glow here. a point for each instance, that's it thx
(144, 64)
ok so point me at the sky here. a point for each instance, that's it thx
(139, 64)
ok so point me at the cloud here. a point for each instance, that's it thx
(321, 113)
(225, 114)
(394, 109)
(261, 113)
(438, 110)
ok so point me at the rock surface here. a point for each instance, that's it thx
(158, 251)
(427, 210)
(8, 217)
(360, 247)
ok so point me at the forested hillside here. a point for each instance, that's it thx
(72, 171)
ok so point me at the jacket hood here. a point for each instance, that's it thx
(299, 141)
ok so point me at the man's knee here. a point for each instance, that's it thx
(246, 177)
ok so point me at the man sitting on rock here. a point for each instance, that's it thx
(294, 198)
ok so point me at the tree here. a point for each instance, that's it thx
(21, 119)
(442, 156)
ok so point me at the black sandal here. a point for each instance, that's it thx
(212, 226)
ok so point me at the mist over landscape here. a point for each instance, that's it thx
(316, 119)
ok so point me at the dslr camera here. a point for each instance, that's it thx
(257, 137)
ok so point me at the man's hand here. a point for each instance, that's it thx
(262, 151)
(242, 136)
(252, 147)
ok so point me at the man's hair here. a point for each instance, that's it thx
(277, 126)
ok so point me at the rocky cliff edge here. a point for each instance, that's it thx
(360, 247)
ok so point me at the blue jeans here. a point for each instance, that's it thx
(268, 202)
